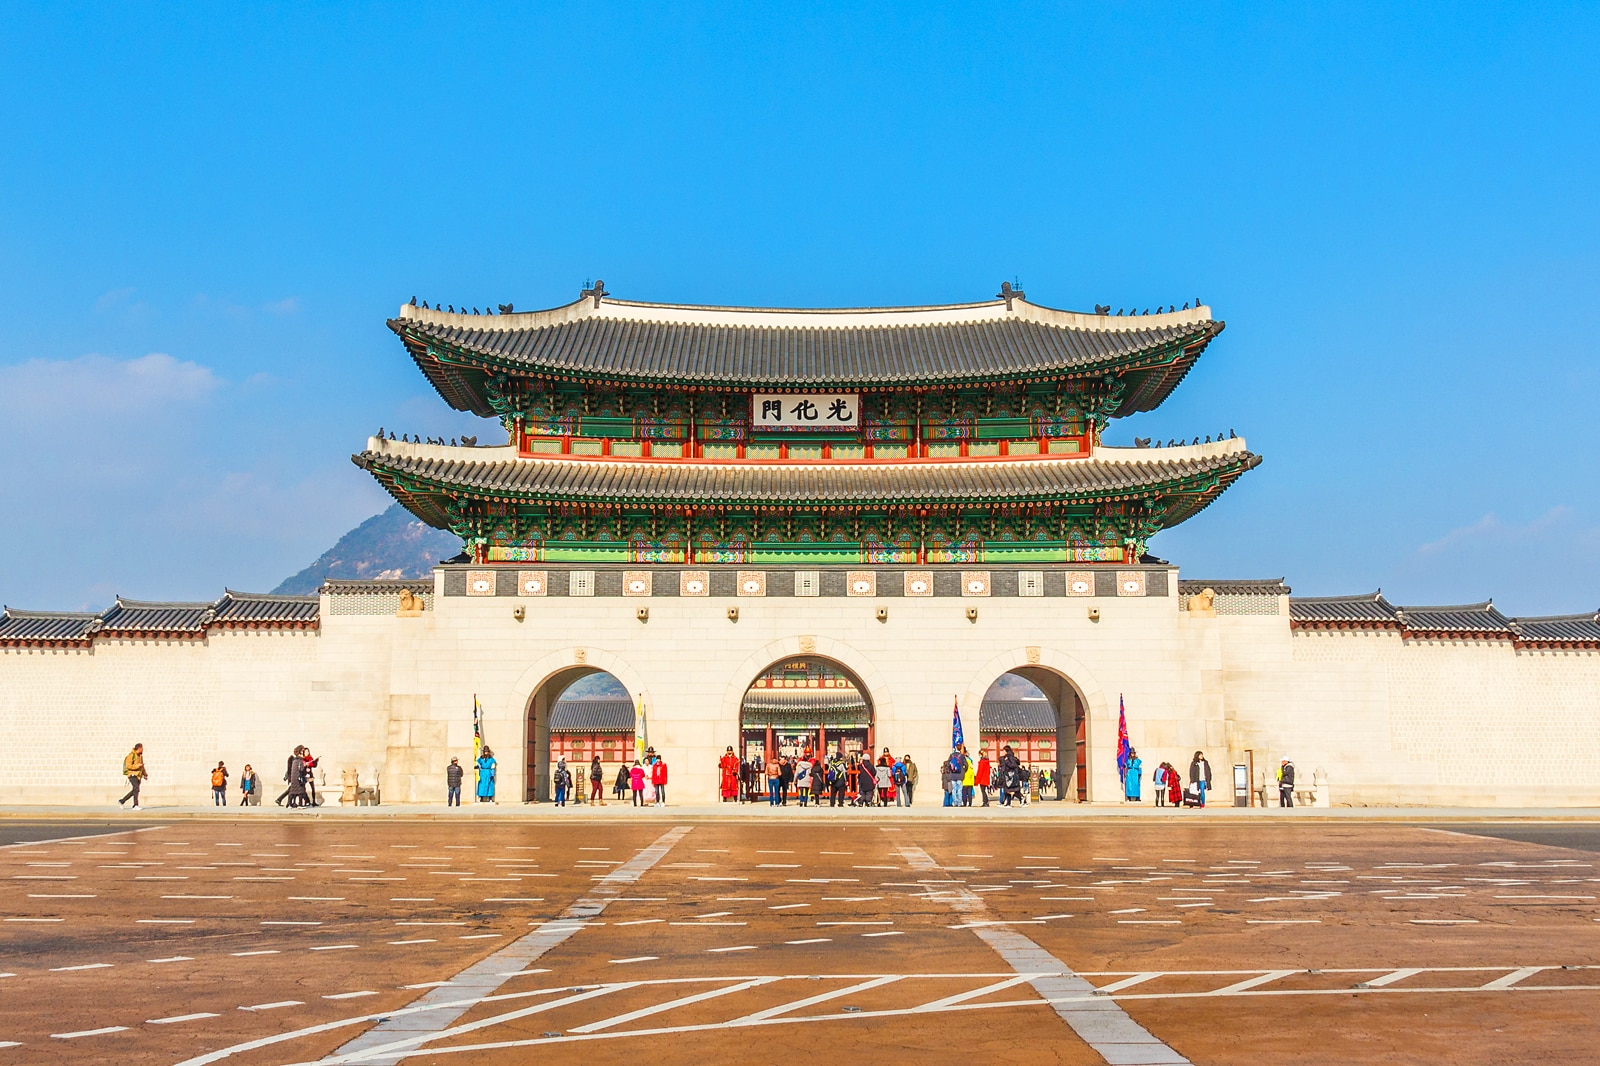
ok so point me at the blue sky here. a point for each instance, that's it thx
(209, 211)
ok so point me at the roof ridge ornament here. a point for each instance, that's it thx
(593, 292)
(1008, 293)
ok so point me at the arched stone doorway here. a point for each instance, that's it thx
(1041, 715)
(575, 713)
(807, 703)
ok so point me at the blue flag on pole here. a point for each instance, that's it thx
(1124, 749)
(957, 737)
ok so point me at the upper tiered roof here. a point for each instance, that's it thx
(676, 346)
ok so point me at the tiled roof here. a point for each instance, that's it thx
(1569, 629)
(1271, 586)
(413, 474)
(1016, 716)
(1475, 618)
(812, 706)
(592, 716)
(1481, 620)
(617, 340)
(252, 610)
(1368, 611)
(140, 616)
(47, 627)
(354, 587)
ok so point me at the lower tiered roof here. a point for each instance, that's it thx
(426, 478)
(1471, 621)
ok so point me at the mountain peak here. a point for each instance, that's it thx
(386, 547)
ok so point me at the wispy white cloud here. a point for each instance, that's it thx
(289, 305)
(113, 299)
(1491, 530)
(40, 389)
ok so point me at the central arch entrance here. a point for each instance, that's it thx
(807, 704)
(1040, 715)
(577, 713)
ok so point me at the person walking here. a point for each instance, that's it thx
(597, 781)
(802, 779)
(1286, 784)
(1010, 777)
(310, 764)
(249, 787)
(619, 789)
(452, 783)
(486, 775)
(1159, 779)
(866, 781)
(883, 777)
(294, 778)
(636, 783)
(1200, 775)
(837, 782)
(947, 780)
(563, 782)
(911, 779)
(982, 777)
(658, 778)
(133, 769)
(902, 797)
(219, 785)
(819, 783)
(1134, 778)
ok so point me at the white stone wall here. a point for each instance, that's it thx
(1384, 720)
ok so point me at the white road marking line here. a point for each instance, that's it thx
(275, 1006)
(247, 954)
(298, 899)
(1449, 921)
(89, 1032)
(1513, 977)
(1390, 978)
(822, 997)
(164, 921)
(350, 995)
(693, 924)
(976, 993)
(1283, 921)
(1128, 982)
(35, 919)
(894, 932)
(857, 923)
(196, 897)
(1252, 982)
(85, 966)
(422, 941)
(181, 1018)
(741, 947)
(485, 976)
(10, 1043)
(59, 895)
(264, 922)
(515, 899)
(174, 958)
(813, 940)
(1098, 1021)
(639, 921)
(672, 1004)
(333, 947)
(636, 958)
(787, 906)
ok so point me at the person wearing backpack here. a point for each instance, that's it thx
(133, 769)
(219, 785)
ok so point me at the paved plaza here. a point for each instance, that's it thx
(689, 937)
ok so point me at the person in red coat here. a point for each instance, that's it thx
(729, 765)
(982, 777)
(658, 778)
(1174, 786)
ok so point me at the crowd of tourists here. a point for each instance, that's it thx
(851, 779)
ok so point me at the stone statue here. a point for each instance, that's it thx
(1203, 604)
(411, 604)
(351, 781)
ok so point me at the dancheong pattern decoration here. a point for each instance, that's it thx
(654, 433)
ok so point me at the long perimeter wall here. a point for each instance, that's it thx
(1377, 717)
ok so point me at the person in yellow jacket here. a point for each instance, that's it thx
(133, 770)
(969, 777)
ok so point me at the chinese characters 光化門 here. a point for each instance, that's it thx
(805, 410)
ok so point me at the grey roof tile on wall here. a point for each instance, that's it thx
(1560, 629)
(1480, 618)
(1370, 609)
(1270, 586)
(355, 587)
(265, 609)
(47, 627)
(142, 616)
